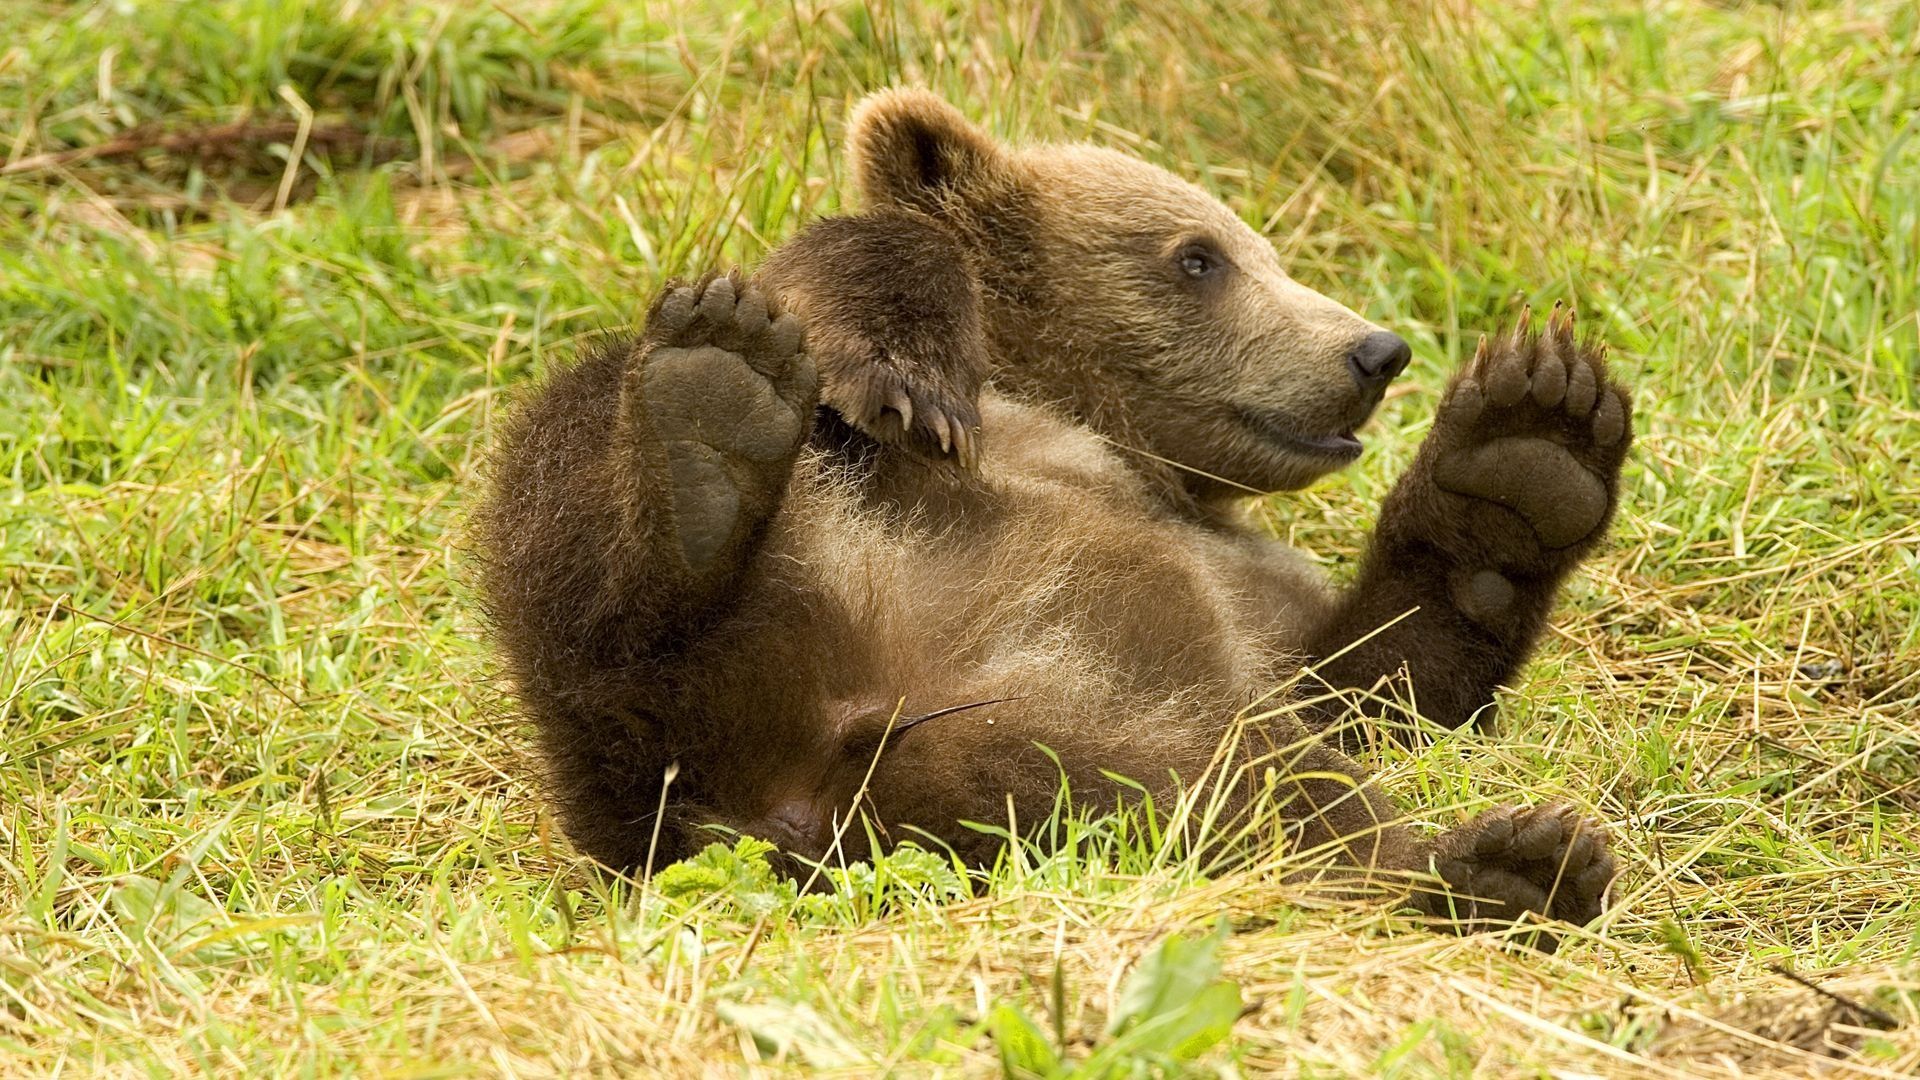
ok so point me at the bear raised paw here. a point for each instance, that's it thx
(893, 323)
(723, 391)
(1526, 455)
(1514, 486)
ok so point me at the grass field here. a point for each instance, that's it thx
(271, 269)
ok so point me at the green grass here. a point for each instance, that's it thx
(263, 809)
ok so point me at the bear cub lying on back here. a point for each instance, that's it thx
(970, 536)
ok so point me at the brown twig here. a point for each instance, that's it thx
(1866, 1012)
(218, 141)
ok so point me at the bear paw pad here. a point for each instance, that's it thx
(729, 395)
(1535, 426)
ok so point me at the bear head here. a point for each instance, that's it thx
(1135, 300)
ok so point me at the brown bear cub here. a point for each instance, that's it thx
(973, 543)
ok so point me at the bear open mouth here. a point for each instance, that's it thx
(1339, 446)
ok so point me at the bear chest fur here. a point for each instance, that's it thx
(1049, 584)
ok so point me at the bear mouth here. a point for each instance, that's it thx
(1341, 446)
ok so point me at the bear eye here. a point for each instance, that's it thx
(1199, 261)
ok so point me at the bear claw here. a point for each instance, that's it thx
(895, 408)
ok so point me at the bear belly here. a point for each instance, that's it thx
(897, 651)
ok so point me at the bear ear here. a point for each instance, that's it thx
(910, 148)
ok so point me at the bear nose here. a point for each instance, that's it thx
(1377, 359)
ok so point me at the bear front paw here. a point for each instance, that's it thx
(1512, 864)
(908, 404)
(1524, 460)
(894, 323)
(726, 393)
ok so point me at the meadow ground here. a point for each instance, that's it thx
(271, 269)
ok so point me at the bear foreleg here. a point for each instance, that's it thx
(893, 318)
(1513, 487)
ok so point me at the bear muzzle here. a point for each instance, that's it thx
(1377, 360)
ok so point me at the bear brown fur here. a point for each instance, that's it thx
(975, 543)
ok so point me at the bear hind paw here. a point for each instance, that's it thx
(722, 390)
(1514, 864)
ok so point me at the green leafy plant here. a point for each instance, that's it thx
(736, 879)
(1174, 1008)
(740, 880)
(904, 877)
